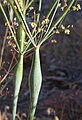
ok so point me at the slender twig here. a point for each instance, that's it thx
(14, 38)
(39, 10)
(3, 46)
(28, 4)
(49, 13)
(9, 69)
(53, 16)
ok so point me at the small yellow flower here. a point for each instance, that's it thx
(63, 7)
(31, 8)
(15, 7)
(9, 37)
(72, 26)
(79, 6)
(14, 18)
(74, 8)
(9, 43)
(47, 20)
(43, 22)
(15, 23)
(68, 26)
(5, 2)
(50, 111)
(59, 5)
(54, 41)
(57, 32)
(39, 29)
(33, 24)
(67, 31)
(62, 27)
(5, 24)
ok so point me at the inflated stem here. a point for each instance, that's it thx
(17, 84)
(19, 71)
(35, 81)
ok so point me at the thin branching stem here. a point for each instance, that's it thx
(49, 13)
(14, 38)
(9, 69)
(27, 46)
(57, 22)
(28, 4)
(39, 10)
(3, 46)
(53, 16)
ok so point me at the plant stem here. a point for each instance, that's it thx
(17, 84)
(3, 47)
(19, 70)
(49, 13)
(35, 81)
(53, 16)
(39, 10)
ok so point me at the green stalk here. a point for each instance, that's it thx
(35, 81)
(39, 10)
(14, 9)
(53, 16)
(28, 4)
(17, 84)
(21, 4)
(19, 70)
(49, 13)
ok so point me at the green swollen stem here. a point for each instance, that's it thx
(17, 84)
(35, 81)
(19, 70)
